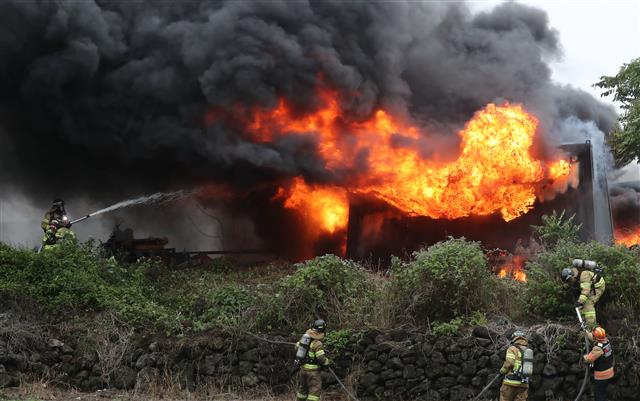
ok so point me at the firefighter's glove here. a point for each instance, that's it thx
(503, 371)
(327, 362)
(579, 305)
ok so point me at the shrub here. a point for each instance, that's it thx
(337, 340)
(326, 287)
(556, 228)
(447, 329)
(228, 306)
(73, 279)
(447, 279)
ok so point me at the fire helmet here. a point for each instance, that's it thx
(58, 202)
(516, 335)
(599, 333)
(567, 273)
(319, 326)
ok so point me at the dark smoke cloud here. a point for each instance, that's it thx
(106, 99)
(625, 205)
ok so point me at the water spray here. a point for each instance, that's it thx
(155, 199)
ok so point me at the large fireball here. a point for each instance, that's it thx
(494, 172)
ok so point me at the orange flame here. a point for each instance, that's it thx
(514, 268)
(494, 173)
(627, 237)
(327, 207)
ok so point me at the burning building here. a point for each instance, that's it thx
(375, 229)
(386, 196)
(348, 127)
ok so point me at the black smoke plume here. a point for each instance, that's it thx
(106, 99)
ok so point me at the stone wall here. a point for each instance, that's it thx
(395, 365)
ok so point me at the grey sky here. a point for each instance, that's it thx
(597, 37)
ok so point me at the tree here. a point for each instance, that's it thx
(625, 87)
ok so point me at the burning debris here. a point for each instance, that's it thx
(506, 265)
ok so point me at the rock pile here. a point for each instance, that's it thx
(393, 365)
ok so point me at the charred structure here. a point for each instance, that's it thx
(264, 98)
(375, 230)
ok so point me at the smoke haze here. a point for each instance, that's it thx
(102, 101)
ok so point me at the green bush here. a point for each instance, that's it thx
(326, 287)
(548, 297)
(448, 279)
(74, 280)
(447, 329)
(227, 306)
(556, 228)
(337, 340)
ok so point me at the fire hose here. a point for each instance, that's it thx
(586, 348)
(353, 397)
(484, 390)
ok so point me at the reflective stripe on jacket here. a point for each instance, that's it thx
(588, 286)
(601, 356)
(315, 355)
(513, 365)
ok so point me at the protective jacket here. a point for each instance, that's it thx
(512, 367)
(52, 214)
(309, 380)
(54, 236)
(315, 356)
(601, 356)
(592, 286)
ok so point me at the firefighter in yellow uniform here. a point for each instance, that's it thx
(57, 212)
(309, 380)
(592, 286)
(515, 386)
(56, 234)
(601, 356)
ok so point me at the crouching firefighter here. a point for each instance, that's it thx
(590, 275)
(517, 368)
(310, 357)
(601, 357)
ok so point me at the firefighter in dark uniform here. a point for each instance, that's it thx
(601, 356)
(309, 380)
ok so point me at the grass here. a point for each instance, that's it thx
(45, 391)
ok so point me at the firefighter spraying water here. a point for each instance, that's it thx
(57, 226)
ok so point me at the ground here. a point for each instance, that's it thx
(45, 392)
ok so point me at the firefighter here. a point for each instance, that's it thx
(56, 226)
(55, 234)
(515, 386)
(601, 356)
(309, 381)
(592, 286)
(58, 213)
